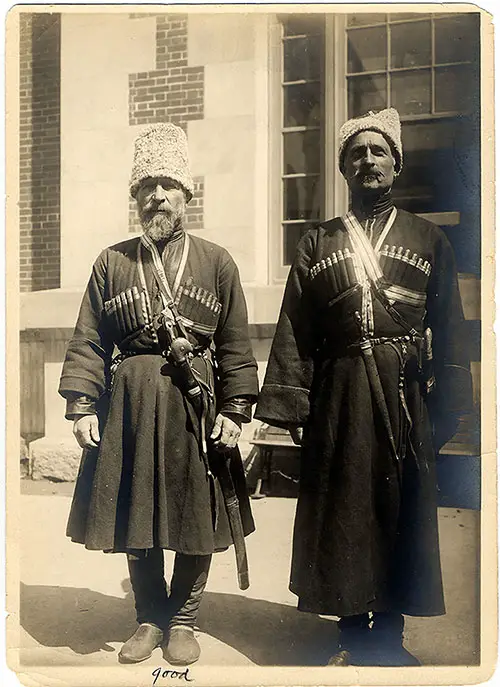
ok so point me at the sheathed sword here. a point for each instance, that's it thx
(378, 394)
(232, 505)
(180, 349)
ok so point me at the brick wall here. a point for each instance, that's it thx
(172, 92)
(40, 40)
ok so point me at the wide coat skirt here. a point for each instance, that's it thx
(366, 535)
(147, 484)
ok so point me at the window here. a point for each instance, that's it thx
(302, 56)
(424, 65)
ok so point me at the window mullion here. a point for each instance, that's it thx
(336, 203)
(388, 64)
(433, 66)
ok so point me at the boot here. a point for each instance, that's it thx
(146, 570)
(147, 576)
(188, 584)
(141, 645)
(354, 635)
(387, 636)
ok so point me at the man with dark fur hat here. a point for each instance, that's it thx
(151, 418)
(369, 373)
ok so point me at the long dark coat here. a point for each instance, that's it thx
(147, 485)
(366, 536)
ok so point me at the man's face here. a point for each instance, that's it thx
(162, 205)
(369, 163)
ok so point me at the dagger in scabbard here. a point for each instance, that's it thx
(180, 351)
(377, 390)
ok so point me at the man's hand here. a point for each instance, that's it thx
(296, 434)
(86, 431)
(225, 433)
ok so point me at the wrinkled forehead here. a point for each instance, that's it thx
(151, 182)
(369, 137)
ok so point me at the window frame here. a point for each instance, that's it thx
(334, 190)
(334, 103)
(389, 70)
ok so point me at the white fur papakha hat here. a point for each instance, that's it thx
(161, 150)
(385, 122)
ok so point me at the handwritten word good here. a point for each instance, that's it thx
(172, 674)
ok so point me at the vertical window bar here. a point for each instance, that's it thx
(388, 62)
(433, 66)
(322, 100)
(282, 144)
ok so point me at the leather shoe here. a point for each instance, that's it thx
(182, 647)
(341, 658)
(140, 646)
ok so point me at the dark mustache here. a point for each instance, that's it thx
(368, 172)
(154, 207)
(360, 173)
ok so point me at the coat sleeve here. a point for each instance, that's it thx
(236, 366)
(284, 398)
(90, 349)
(451, 356)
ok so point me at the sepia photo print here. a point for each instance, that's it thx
(251, 371)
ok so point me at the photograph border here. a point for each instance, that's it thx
(227, 675)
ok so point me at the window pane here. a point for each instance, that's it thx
(301, 152)
(302, 105)
(411, 92)
(301, 58)
(455, 89)
(363, 19)
(431, 151)
(457, 39)
(301, 198)
(299, 24)
(411, 44)
(292, 234)
(441, 173)
(366, 93)
(367, 50)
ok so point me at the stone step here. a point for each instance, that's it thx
(54, 458)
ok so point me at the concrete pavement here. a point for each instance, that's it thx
(76, 607)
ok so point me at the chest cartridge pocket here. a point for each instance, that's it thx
(198, 308)
(403, 267)
(407, 275)
(334, 275)
(128, 312)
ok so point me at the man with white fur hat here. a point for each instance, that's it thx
(158, 377)
(369, 373)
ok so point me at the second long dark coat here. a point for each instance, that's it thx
(366, 534)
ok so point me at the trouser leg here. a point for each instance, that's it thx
(354, 630)
(188, 583)
(186, 590)
(388, 628)
(387, 633)
(354, 634)
(147, 576)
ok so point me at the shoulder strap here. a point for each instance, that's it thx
(394, 313)
(167, 296)
(371, 265)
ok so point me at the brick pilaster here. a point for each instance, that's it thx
(172, 92)
(40, 169)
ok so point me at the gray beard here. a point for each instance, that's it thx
(160, 226)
